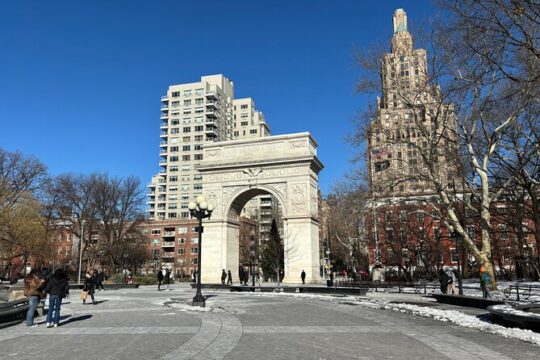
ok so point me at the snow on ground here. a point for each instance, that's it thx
(398, 303)
(507, 309)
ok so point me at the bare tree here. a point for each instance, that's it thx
(22, 229)
(345, 221)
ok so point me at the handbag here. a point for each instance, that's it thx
(83, 295)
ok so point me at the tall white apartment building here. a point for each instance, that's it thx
(192, 114)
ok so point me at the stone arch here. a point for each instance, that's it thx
(242, 195)
(285, 166)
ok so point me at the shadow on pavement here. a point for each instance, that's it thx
(77, 318)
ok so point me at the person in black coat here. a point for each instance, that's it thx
(303, 276)
(159, 278)
(167, 278)
(223, 276)
(57, 288)
(89, 285)
(229, 277)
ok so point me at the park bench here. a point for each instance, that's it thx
(523, 292)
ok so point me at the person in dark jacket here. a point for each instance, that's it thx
(159, 278)
(223, 276)
(99, 281)
(167, 278)
(90, 286)
(303, 276)
(32, 290)
(229, 277)
(58, 289)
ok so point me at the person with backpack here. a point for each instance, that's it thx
(32, 290)
(58, 289)
(485, 280)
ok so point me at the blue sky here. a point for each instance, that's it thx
(80, 81)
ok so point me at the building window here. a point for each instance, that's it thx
(197, 186)
(244, 123)
(186, 129)
(171, 215)
(155, 231)
(185, 157)
(195, 240)
(243, 106)
(253, 131)
(187, 102)
(194, 261)
(173, 178)
(198, 138)
(181, 251)
(198, 156)
(182, 230)
(199, 128)
(194, 250)
(235, 134)
(186, 148)
(453, 255)
(198, 147)
(175, 94)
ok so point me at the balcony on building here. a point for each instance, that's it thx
(164, 135)
(211, 104)
(169, 232)
(163, 152)
(211, 95)
(167, 256)
(211, 113)
(211, 132)
(163, 163)
(164, 126)
(163, 143)
(168, 244)
(164, 98)
(164, 116)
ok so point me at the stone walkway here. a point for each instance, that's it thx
(134, 324)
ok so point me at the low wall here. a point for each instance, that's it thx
(468, 301)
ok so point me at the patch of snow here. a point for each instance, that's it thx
(507, 309)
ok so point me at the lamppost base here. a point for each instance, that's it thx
(199, 300)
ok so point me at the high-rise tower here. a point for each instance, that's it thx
(411, 141)
(192, 114)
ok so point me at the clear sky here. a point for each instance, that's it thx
(81, 81)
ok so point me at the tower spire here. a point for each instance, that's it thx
(400, 21)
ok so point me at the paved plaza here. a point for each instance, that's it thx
(146, 324)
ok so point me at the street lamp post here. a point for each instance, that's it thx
(200, 210)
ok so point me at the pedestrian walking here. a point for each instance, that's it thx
(241, 274)
(167, 279)
(303, 276)
(451, 282)
(32, 290)
(443, 279)
(229, 277)
(99, 281)
(89, 287)
(485, 281)
(160, 278)
(223, 276)
(58, 289)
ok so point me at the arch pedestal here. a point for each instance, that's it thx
(234, 172)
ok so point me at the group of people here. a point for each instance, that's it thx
(449, 277)
(164, 277)
(37, 287)
(226, 276)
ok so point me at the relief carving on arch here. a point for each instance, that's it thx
(298, 198)
(314, 201)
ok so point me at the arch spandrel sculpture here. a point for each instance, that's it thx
(285, 166)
